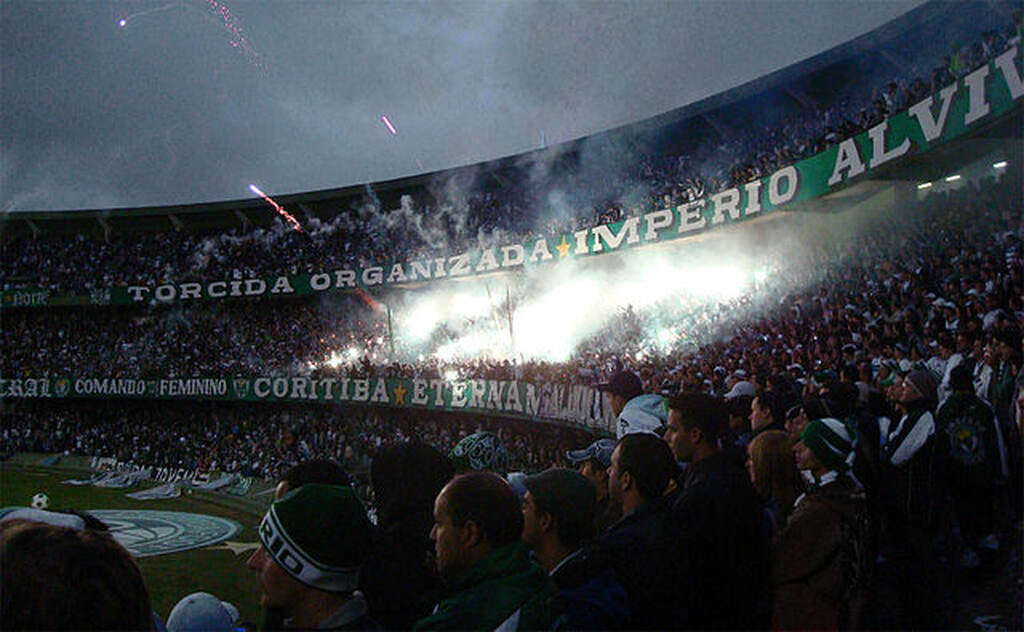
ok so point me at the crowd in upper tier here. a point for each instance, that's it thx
(466, 209)
(943, 276)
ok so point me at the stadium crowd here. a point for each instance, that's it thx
(460, 212)
(950, 281)
(826, 516)
(806, 470)
(837, 449)
(260, 440)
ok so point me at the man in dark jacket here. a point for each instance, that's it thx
(489, 578)
(643, 547)
(558, 520)
(720, 517)
(913, 499)
(966, 427)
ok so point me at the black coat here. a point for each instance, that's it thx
(645, 552)
(721, 521)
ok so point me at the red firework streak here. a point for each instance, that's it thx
(277, 207)
(369, 300)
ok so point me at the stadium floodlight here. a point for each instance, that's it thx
(953, 178)
(924, 185)
(999, 165)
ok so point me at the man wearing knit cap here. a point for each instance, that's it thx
(480, 451)
(820, 563)
(912, 504)
(313, 543)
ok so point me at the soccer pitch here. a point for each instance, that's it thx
(216, 569)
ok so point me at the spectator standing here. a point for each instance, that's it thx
(323, 471)
(821, 566)
(400, 578)
(635, 411)
(774, 475)
(593, 463)
(489, 579)
(314, 541)
(62, 578)
(967, 427)
(644, 548)
(558, 520)
(912, 498)
(721, 519)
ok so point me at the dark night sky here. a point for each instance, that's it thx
(185, 105)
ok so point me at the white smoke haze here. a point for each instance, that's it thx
(674, 290)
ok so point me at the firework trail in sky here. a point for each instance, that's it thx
(218, 11)
(391, 127)
(123, 22)
(238, 39)
(277, 207)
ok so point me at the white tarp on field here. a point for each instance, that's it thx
(223, 481)
(170, 490)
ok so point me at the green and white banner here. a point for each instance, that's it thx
(568, 404)
(982, 96)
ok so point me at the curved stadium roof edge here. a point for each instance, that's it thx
(778, 78)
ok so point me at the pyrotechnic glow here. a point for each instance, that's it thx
(421, 323)
(666, 336)
(335, 360)
(124, 21)
(353, 353)
(549, 326)
(230, 23)
(718, 282)
(391, 127)
(277, 207)
(470, 305)
(451, 375)
(469, 346)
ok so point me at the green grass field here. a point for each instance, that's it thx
(169, 577)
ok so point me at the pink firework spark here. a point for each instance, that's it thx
(277, 207)
(230, 23)
(391, 127)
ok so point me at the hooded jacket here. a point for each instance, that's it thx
(643, 413)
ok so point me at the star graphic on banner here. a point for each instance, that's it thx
(563, 248)
(400, 394)
(238, 548)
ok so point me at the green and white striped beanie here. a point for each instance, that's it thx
(319, 534)
(832, 441)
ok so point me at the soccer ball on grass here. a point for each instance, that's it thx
(40, 501)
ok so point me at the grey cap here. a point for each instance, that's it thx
(600, 451)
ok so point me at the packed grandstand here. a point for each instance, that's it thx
(820, 237)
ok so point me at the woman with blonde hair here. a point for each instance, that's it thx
(773, 472)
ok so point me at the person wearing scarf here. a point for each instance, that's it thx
(821, 570)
